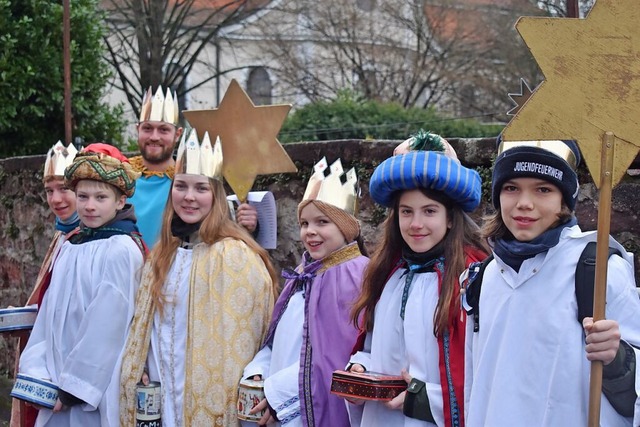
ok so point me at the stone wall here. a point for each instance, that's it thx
(26, 225)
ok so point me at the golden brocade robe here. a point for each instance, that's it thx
(230, 303)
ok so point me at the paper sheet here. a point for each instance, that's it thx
(265, 204)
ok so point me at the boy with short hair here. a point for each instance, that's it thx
(528, 361)
(80, 332)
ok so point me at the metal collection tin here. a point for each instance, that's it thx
(250, 393)
(17, 318)
(35, 390)
(148, 411)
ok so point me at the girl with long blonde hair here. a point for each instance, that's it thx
(203, 306)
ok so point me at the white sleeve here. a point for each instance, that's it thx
(468, 362)
(363, 357)
(33, 361)
(259, 365)
(89, 367)
(282, 393)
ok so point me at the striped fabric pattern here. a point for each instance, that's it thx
(426, 169)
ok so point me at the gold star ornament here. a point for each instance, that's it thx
(592, 83)
(248, 135)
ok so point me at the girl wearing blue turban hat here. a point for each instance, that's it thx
(409, 309)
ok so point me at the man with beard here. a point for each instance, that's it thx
(158, 133)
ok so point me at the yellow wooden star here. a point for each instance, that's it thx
(592, 83)
(248, 135)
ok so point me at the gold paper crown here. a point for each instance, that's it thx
(160, 108)
(199, 159)
(557, 147)
(330, 188)
(58, 158)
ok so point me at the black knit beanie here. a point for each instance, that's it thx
(536, 162)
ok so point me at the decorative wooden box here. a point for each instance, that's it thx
(367, 385)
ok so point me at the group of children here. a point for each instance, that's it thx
(200, 315)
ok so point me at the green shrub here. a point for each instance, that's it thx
(31, 76)
(349, 117)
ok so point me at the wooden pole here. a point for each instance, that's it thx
(66, 59)
(573, 11)
(602, 258)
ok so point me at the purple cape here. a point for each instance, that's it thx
(328, 334)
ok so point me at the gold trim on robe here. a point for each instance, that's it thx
(137, 163)
(344, 254)
(230, 304)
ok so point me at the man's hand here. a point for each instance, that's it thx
(247, 216)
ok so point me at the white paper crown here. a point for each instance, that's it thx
(160, 108)
(199, 159)
(331, 189)
(58, 158)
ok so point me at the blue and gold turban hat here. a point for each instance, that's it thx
(426, 169)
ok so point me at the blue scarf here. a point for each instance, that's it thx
(68, 225)
(514, 252)
(123, 223)
(416, 262)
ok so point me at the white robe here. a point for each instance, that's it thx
(279, 365)
(80, 331)
(396, 344)
(166, 359)
(527, 364)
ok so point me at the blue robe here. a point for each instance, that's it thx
(149, 200)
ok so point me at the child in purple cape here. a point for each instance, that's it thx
(310, 334)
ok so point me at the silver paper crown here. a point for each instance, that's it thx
(330, 188)
(159, 107)
(199, 159)
(58, 158)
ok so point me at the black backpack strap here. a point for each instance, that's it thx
(472, 291)
(585, 278)
(620, 392)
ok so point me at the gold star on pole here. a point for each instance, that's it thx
(592, 83)
(248, 135)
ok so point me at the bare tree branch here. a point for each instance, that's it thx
(145, 36)
(461, 56)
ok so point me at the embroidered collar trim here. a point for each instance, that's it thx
(344, 254)
(137, 164)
